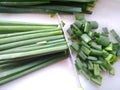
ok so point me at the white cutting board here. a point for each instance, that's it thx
(60, 76)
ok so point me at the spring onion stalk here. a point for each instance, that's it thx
(23, 3)
(34, 68)
(14, 64)
(31, 48)
(49, 6)
(7, 29)
(16, 23)
(28, 36)
(35, 52)
(41, 9)
(28, 32)
(18, 60)
(39, 44)
(23, 67)
(31, 41)
(74, 0)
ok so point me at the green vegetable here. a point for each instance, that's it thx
(28, 36)
(76, 30)
(9, 29)
(94, 24)
(28, 32)
(79, 17)
(109, 47)
(30, 41)
(23, 3)
(75, 46)
(78, 23)
(103, 40)
(91, 58)
(97, 80)
(47, 61)
(96, 70)
(105, 31)
(96, 53)
(85, 44)
(82, 55)
(35, 52)
(47, 6)
(116, 36)
(96, 46)
(36, 47)
(85, 50)
(86, 38)
(87, 27)
(16, 23)
(79, 63)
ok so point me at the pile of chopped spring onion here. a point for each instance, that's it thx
(26, 47)
(46, 6)
(95, 52)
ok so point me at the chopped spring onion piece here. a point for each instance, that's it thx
(82, 55)
(85, 50)
(94, 24)
(116, 36)
(87, 27)
(79, 17)
(109, 47)
(96, 70)
(85, 44)
(91, 58)
(105, 31)
(86, 38)
(75, 46)
(96, 52)
(76, 30)
(96, 46)
(97, 80)
(103, 40)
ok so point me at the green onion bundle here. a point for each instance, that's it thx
(95, 52)
(46, 6)
(24, 50)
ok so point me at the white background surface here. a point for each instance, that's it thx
(60, 76)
